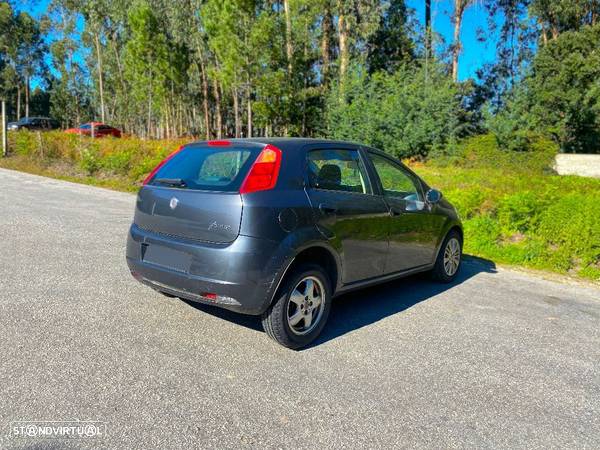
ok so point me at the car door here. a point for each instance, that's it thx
(346, 211)
(33, 125)
(411, 226)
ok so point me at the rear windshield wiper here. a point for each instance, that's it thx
(178, 182)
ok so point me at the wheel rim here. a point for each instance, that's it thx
(452, 257)
(306, 305)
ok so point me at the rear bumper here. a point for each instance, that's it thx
(243, 274)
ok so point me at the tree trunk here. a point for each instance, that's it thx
(27, 96)
(544, 33)
(288, 35)
(205, 98)
(343, 43)
(236, 113)
(459, 9)
(305, 83)
(18, 100)
(428, 31)
(219, 119)
(149, 123)
(100, 77)
(325, 47)
(249, 105)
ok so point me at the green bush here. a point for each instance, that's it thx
(90, 161)
(572, 224)
(484, 151)
(407, 114)
(518, 212)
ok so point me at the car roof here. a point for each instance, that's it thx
(285, 143)
(35, 118)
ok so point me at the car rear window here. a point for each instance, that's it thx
(207, 168)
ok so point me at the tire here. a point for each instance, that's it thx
(442, 270)
(286, 319)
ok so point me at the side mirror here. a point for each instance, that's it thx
(433, 196)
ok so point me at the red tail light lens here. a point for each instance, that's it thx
(264, 172)
(219, 143)
(160, 164)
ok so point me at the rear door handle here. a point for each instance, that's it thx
(326, 209)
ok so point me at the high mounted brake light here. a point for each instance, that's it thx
(264, 172)
(219, 143)
(160, 164)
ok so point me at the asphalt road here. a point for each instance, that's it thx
(497, 359)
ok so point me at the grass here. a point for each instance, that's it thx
(515, 210)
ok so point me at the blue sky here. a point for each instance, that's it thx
(475, 53)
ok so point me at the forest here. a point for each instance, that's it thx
(364, 70)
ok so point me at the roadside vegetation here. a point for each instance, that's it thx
(515, 210)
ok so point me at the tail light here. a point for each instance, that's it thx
(219, 143)
(160, 164)
(264, 172)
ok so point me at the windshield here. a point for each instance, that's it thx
(206, 168)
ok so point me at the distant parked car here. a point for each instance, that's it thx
(100, 130)
(34, 124)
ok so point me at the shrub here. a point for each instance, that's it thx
(90, 161)
(572, 225)
(484, 151)
(407, 114)
(518, 212)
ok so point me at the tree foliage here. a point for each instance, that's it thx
(407, 113)
(356, 69)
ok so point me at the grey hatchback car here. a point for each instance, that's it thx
(278, 227)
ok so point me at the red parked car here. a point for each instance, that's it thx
(100, 130)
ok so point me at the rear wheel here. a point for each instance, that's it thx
(300, 310)
(449, 258)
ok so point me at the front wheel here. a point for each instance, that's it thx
(449, 258)
(300, 310)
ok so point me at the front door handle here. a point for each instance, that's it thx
(326, 209)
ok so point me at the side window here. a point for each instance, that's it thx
(398, 183)
(337, 170)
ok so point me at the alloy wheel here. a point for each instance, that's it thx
(452, 257)
(306, 305)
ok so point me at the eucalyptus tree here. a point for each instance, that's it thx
(460, 6)
(22, 55)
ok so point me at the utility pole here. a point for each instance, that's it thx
(4, 137)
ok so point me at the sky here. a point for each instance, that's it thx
(475, 54)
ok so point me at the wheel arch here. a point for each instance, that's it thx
(451, 225)
(315, 253)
